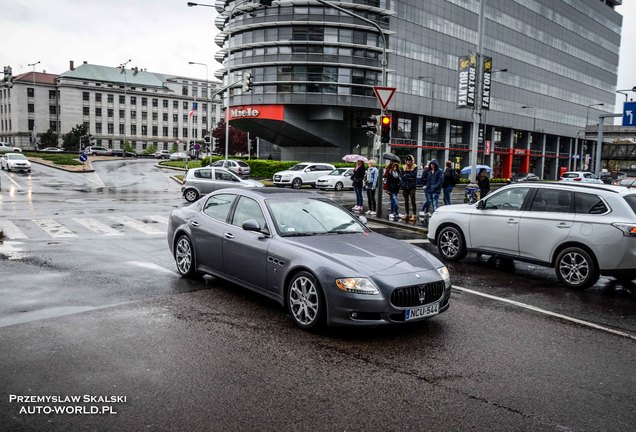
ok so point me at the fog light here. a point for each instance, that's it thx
(354, 315)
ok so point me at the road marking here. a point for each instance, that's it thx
(547, 312)
(416, 241)
(11, 180)
(98, 227)
(135, 224)
(11, 231)
(54, 229)
(158, 219)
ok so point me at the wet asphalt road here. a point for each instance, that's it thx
(106, 314)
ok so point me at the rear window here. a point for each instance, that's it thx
(242, 164)
(631, 200)
(586, 203)
(570, 175)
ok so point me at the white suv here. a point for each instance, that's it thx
(7, 148)
(582, 230)
(302, 173)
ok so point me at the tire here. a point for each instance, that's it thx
(297, 183)
(184, 257)
(450, 244)
(576, 268)
(339, 186)
(191, 195)
(305, 301)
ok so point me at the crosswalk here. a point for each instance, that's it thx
(83, 227)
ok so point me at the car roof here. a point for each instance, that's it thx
(268, 192)
(571, 186)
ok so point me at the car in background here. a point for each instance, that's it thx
(162, 154)
(15, 162)
(580, 176)
(628, 182)
(302, 173)
(310, 255)
(203, 180)
(238, 167)
(582, 230)
(337, 179)
(52, 150)
(524, 177)
(606, 177)
(121, 153)
(97, 151)
(179, 156)
(8, 148)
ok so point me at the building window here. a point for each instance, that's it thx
(122, 99)
(52, 109)
(204, 105)
(110, 112)
(175, 132)
(144, 145)
(98, 112)
(165, 131)
(165, 103)
(155, 131)
(98, 97)
(155, 102)
(52, 94)
(185, 105)
(111, 128)
(144, 115)
(175, 118)
(110, 98)
(31, 124)
(144, 130)
(175, 104)
(122, 129)
(133, 114)
(86, 96)
(86, 110)
(165, 117)
(122, 114)
(53, 126)
(133, 129)
(185, 118)
(98, 128)
(144, 101)
(155, 116)
(133, 100)
(31, 108)
(184, 90)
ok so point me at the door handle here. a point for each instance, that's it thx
(563, 225)
(512, 221)
(194, 223)
(229, 235)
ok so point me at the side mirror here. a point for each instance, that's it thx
(481, 204)
(251, 225)
(347, 175)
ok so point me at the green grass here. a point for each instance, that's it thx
(57, 158)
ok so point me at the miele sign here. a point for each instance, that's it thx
(245, 112)
(260, 112)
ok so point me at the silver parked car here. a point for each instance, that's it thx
(238, 167)
(310, 255)
(200, 181)
(337, 179)
(582, 230)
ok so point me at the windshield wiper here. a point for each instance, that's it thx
(340, 229)
(300, 234)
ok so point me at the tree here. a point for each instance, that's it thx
(77, 136)
(238, 139)
(150, 149)
(48, 139)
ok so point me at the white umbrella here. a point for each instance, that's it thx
(354, 158)
(466, 169)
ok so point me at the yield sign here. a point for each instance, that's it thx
(384, 95)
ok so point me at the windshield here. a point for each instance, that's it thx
(338, 171)
(312, 216)
(16, 157)
(298, 167)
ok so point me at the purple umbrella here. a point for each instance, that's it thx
(354, 158)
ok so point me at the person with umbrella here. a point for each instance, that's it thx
(483, 182)
(357, 179)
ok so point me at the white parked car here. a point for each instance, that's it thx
(15, 162)
(337, 179)
(52, 150)
(7, 148)
(179, 156)
(582, 230)
(162, 154)
(580, 176)
(238, 167)
(302, 173)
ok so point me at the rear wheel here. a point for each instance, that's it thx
(297, 183)
(450, 244)
(191, 195)
(339, 186)
(576, 268)
(305, 301)
(184, 257)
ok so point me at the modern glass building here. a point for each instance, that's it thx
(314, 67)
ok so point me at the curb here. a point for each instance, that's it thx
(61, 168)
(402, 225)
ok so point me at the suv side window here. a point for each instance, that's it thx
(511, 199)
(246, 209)
(552, 200)
(587, 203)
(218, 206)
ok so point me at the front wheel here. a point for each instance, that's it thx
(184, 257)
(339, 186)
(305, 301)
(191, 195)
(576, 268)
(450, 244)
(296, 183)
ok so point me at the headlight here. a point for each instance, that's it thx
(443, 272)
(357, 286)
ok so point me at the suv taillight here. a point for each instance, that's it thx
(578, 179)
(629, 230)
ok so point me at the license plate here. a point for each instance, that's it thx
(421, 312)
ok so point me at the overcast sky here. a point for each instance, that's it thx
(159, 35)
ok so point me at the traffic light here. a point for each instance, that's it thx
(385, 124)
(247, 82)
(8, 78)
(371, 126)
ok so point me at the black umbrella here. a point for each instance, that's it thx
(392, 157)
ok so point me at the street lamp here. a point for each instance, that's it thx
(534, 116)
(206, 96)
(626, 92)
(587, 119)
(33, 134)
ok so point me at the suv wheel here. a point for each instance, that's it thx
(576, 268)
(191, 195)
(450, 244)
(297, 183)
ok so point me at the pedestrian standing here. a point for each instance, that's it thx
(427, 197)
(357, 178)
(371, 184)
(393, 189)
(483, 182)
(409, 183)
(451, 178)
(434, 183)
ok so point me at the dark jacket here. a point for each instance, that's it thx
(448, 177)
(484, 186)
(393, 182)
(409, 179)
(358, 176)
(435, 179)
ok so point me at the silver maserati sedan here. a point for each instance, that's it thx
(309, 254)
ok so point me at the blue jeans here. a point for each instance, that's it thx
(427, 202)
(394, 203)
(447, 194)
(434, 200)
(358, 191)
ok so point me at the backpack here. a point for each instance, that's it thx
(454, 177)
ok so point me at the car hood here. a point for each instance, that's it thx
(251, 183)
(370, 253)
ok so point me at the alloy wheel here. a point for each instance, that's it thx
(191, 195)
(576, 268)
(304, 301)
(339, 186)
(450, 244)
(183, 256)
(297, 183)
